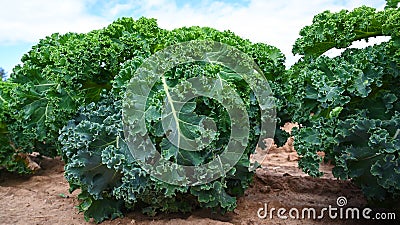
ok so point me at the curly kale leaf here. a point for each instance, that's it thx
(99, 209)
(370, 155)
(349, 104)
(9, 158)
(341, 29)
(392, 4)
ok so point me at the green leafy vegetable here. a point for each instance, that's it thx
(349, 104)
(99, 162)
(62, 73)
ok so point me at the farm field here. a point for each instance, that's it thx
(134, 123)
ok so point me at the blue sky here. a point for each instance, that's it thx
(23, 23)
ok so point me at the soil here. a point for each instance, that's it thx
(43, 198)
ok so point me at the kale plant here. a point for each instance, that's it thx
(350, 104)
(99, 156)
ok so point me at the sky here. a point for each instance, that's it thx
(275, 22)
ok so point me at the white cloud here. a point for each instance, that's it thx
(116, 9)
(28, 21)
